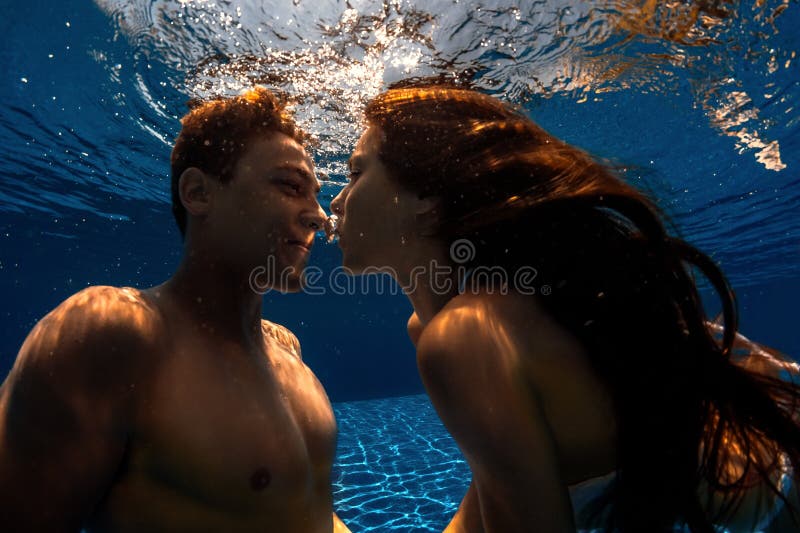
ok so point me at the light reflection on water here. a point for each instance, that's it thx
(332, 56)
(696, 99)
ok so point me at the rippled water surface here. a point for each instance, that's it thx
(698, 101)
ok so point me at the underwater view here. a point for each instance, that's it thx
(693, 102)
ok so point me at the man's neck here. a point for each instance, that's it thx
(218, 297)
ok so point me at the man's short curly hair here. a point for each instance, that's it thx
(215, 134)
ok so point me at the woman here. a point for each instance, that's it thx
(604, 368)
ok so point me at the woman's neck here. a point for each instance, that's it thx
(430, 279)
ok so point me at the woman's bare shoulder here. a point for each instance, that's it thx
(506, 318)
(513, 331)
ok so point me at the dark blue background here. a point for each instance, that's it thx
(68, 220)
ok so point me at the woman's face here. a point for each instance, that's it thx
(377, 216)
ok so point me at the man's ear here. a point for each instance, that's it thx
(428, 215)
(195, 191)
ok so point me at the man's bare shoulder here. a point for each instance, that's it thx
(103, 327)
(283, 336)
(76, 376)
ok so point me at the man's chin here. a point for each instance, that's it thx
(284, 286)
(292, 280)
(286, 280)
(289, 288)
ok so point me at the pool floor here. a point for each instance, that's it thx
(397, 468)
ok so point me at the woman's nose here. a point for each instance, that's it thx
(338, 203)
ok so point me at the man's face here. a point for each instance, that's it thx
(266, 216)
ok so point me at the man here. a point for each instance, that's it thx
(177, 408)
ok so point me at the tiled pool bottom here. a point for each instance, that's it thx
(397, 469)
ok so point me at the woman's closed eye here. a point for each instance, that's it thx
(353, 175)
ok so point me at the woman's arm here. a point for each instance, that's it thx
(471, 372)
(468, 517)
(414, 327)
(339, 526)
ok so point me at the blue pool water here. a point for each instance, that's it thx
(397, 468)
(702, 112)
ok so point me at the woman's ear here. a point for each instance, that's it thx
(194, 187)
(428, 215)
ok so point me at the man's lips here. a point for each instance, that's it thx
(306, 245)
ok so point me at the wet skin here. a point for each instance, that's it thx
(515, 389)
(486, 362)
(178, 408)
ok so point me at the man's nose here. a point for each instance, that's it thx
(314, 218)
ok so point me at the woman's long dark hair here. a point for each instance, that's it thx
(620, 283)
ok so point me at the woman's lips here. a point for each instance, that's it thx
(332, 223)
(332, 227)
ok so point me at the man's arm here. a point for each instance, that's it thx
(471, 372)
(65, 409)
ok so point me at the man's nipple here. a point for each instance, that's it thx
(260, 479)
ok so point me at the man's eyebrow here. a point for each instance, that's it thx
(303, 174)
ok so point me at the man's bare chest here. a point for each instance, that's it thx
(234, 431)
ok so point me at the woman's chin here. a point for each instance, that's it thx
(352, 268)
(354, 265)
(357, 263)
